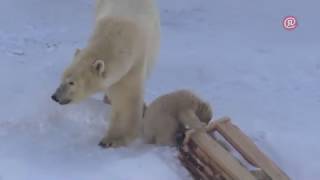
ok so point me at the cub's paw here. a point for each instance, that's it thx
(113, 142)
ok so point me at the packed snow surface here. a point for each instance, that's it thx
(235, 54)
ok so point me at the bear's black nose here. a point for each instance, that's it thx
(54, 97)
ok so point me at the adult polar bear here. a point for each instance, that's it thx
(117, 59)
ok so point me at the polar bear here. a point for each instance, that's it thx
(174, 113)
(117, 59)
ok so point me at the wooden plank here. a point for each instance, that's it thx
(221, 157)
(195, 165)
(213, 124)
(194, 171)
(249, 150)
(218, 125)
(218, 172)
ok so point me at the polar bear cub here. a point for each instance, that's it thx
(173, 113)
(116, 61)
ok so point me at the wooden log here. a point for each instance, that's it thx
(243, 144)
(216, 170)
(212, 126)
(208, 158)
(210, 166)
(198, 163)
(194, 167)
(221, 157)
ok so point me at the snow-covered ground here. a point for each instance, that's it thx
(235, 54)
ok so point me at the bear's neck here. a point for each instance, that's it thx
(97, 50)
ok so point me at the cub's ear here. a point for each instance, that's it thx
(77, 52)
(99, 67)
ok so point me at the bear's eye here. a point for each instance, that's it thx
(71, 83)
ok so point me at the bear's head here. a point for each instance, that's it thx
(84, 77)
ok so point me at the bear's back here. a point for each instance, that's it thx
(145, 15)
(138, 10)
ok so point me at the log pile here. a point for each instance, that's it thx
(208, 158)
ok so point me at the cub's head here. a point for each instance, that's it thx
(84, 77)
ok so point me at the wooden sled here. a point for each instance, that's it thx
(207, 159)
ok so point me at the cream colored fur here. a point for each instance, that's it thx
(117, 59)
(172, 113)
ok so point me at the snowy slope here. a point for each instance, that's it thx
(233, 53)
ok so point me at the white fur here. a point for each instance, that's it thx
(126, 39)
(174, 113)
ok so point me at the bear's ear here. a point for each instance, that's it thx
(99, 67)
(77, 52)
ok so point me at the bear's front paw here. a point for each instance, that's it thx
(112, 142)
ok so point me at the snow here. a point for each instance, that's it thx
(235, 54)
